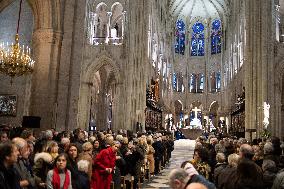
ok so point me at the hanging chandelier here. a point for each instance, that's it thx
(15, 60)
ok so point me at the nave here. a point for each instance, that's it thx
(183, 151)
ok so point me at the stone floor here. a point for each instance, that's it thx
(183, 151)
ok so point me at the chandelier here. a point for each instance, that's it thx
(15, 60)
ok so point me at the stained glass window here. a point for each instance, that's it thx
(201, 83)
(174, 82)
(218, 81)
(197, 39)
(213, 82)
(180, 37)
(180, 87)
(192, 83)
(216, 37)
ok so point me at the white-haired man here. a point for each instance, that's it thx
(178, 178)
(26, 178)
(83, 178)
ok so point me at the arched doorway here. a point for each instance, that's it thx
(98, 95)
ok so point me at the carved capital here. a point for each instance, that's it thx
(47, 36)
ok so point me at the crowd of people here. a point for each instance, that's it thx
(101, 160)
(79, 160)
(230, 163)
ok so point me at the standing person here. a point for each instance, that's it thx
(72, 152)
(83, 178)
(59, 177)
(87, 155)
(8, 156)
(104, 165)
(150, 156)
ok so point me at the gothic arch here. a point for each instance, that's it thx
(87, 79)
(47, 14)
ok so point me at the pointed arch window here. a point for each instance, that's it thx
(174, 82)
(180, 37)
(215, 78)
(216, 33)
(218, 81)
(197, 39)
(192, 83)
(201, 79)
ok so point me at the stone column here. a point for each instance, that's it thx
(256, 59)
(46, 50)
(108, 26)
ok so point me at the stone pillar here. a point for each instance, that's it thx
(108, 26)
(256, 59)
(46, 50)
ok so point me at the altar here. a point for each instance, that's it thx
(194, 129)
(191, 134)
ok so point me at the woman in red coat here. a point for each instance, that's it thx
(103, 167)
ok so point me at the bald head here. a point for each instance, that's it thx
(178, 178)
(196, 186)
(19, 142)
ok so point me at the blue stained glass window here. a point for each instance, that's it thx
(216, 37)
(201, 86)
(174, 82)
(197, 39)
(218, 81)
(180, 37)
(192, 83)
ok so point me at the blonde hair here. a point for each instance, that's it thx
(220, 157)
(109, 140)
(233, 160)
(87, 146)
(125, 140)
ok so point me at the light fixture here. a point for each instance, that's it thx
(15, 60)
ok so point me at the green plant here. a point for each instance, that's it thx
(265, 134)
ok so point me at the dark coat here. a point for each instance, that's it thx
(9, 178)
(24, 174)
(83, 181)
(73, 168)
(119, 165)
(159, 149)
(219, 168)
(202, 180)
(226, 176)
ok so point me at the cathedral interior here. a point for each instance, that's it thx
(147, 65)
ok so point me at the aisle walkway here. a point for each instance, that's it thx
(183, 151)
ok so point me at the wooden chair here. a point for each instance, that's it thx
(129, 179)
(122, 182)
(112, 185)
(147, 171)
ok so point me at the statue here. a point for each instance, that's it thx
(156, 89)
(266, 107)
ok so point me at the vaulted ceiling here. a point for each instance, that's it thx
(198, 8)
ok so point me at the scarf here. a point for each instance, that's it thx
(56, 179)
